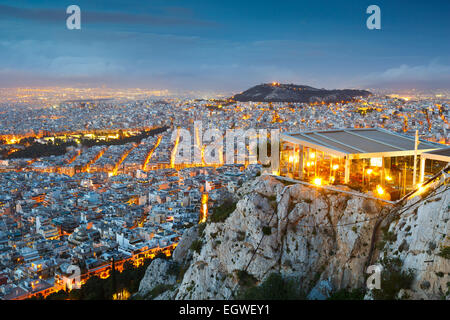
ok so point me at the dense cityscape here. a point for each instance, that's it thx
(223, 159)
(91, 181)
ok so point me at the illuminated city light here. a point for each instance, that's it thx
(121, 295)
(380, 190)
(318, 173)
(317, 181)
(421, 188)
(376, 162)
(149, 155)
(175, 150)
(204, 208)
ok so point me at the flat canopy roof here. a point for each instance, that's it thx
(360, 143)
(440, 154)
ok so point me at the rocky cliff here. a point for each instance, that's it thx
(417, 234)
(323, 239)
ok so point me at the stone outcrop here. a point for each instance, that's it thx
(418, 236)
(157, 274)
(324, 239)
(182, 254)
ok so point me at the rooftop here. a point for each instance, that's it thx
(440, 154)
(360, 143)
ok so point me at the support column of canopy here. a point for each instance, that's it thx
(347, 170)
(422, 168)
(300, 162)
(416, 144)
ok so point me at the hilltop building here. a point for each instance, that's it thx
(365, 159)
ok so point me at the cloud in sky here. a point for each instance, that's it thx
(88, 16)
(428, 75)
(222, 46)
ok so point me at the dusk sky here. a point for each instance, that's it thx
(225, 46)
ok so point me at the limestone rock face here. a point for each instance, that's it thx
(308, 234)
(156, 274)
(182, 253)
(321, 238)
(421, 232)
(321, 291)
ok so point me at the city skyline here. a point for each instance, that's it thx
(224, 47)
(205, 150)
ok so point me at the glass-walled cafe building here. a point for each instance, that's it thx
(365, 159)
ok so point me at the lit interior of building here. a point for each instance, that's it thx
(366, 160)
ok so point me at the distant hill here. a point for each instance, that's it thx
(276, 92)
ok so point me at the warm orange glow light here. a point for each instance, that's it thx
(317, 181)
(121, 295)
(380, 190)
(420, 188)
(204, 208)
(175, 149)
